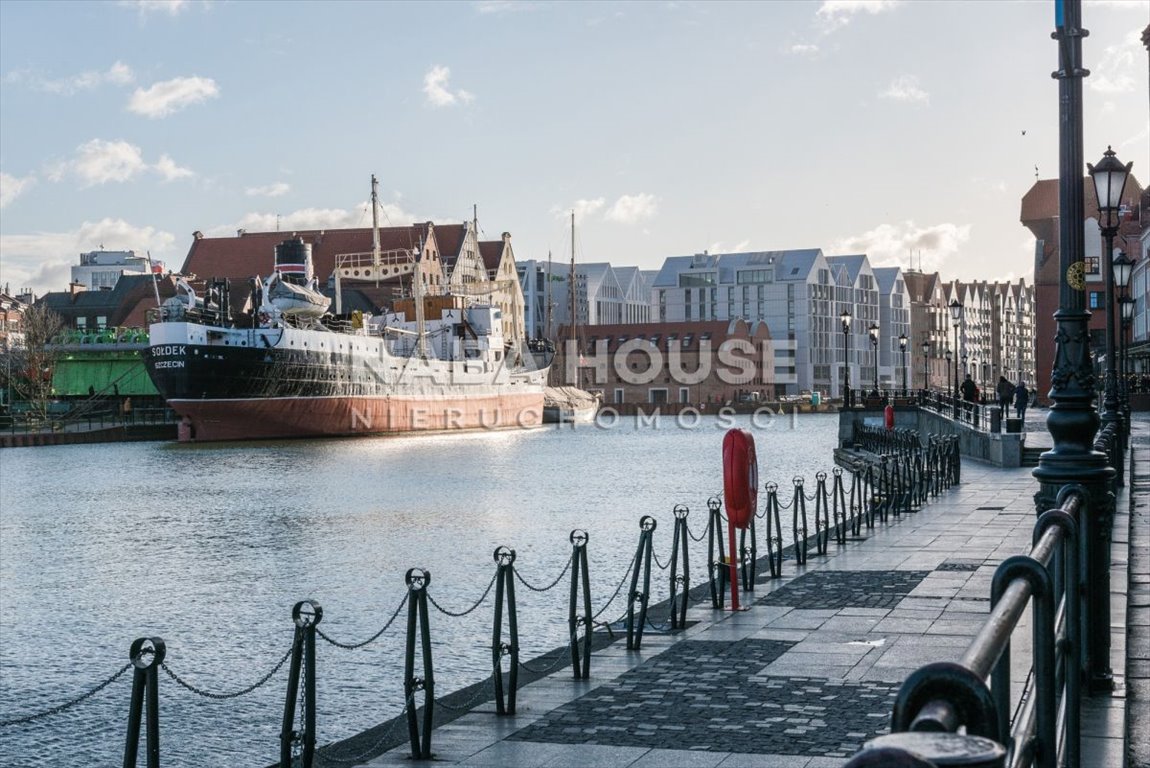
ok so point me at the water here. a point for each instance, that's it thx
(210, 546)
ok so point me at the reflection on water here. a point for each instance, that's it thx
(210, 546)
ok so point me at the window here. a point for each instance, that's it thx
(684, 394)
(657, 395)
(698, 278)
(102, 321)
(1092, 265)
(1096, 300)
(618, 395)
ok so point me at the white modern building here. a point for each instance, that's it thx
(801, 296)
(99, 270)
(604, 295)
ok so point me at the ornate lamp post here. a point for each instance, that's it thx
(956, 316)
(1127, 320)
(1072, 420)
(926, 366)
(1109, 180)
(845, 317)
(902, 348)
(874, 343)
(949, 380)
(1123, 268)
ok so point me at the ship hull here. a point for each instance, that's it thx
(267, 383)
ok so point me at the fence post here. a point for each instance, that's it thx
(680, 584)
(505, 586)
(305, 614)
(840, 510)
(647, 525)
(417, 580)
(716, 569)
(580, 664)
(774, 531)
(146, 653)
(799, 514)
(748, 555)
(822, 514)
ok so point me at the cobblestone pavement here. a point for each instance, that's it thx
(802, 677)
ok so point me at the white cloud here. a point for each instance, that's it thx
(835, 14)
(905, 88)
(164, 98)
(719, 247)
(171, 7)
(895, 244)
(1114, 72)
(319, 218)
(501, 6)
(167, 168)
(98, 162)
(1137, 140)
(435, 87)
(278, 189)
(630, 209)
(118, 74)
(42, 261)
(582, 208)
(804, 49)
(11, 187)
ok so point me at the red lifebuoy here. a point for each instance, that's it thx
(740, 477)
(888, 416)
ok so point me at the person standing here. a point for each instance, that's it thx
(1021, 399)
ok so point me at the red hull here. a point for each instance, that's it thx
(265, 418)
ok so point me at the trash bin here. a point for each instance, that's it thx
(995, 419)
(1013, 425)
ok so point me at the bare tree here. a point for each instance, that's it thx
(28, 367)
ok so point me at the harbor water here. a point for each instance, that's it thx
(210, 546)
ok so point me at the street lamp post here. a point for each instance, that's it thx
(1073, 462)
(1123, 268)
(949, 378)
(845, 317)
(1127, 304)
(926, 366)
(1109, 180)
(874, 343)
(956, 316)
(902, 348)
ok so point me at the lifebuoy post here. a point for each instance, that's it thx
(740, 492)
(888, 416)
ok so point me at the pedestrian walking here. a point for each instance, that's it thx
(1005, 390)
(1021, 400)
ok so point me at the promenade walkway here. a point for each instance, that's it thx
(809, 673)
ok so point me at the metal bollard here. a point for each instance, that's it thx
(822, 514)
(305, 614)
(146, 653)
(839, 509)
(505, 590)
(799, 515)
(748, 555)
(680, 584)
(774, 531)
(417, 580)
(647, 525)
(717, 570)
(580, 662)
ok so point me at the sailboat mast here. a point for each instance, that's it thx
(417, 295)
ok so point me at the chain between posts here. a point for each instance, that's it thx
(67, 704)
(235, 694)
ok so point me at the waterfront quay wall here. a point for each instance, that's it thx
(999, 449)
(112, 434)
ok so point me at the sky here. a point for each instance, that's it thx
(908, 131)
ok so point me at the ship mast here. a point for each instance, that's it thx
(375, 228)
(547, 326)
(571, 280)
(417, 295)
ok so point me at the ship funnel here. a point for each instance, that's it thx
(293, 261)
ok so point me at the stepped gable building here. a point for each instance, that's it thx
(929, 322)
(703, 363)
(499, 264)
(1039, 214)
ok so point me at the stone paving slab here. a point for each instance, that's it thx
(803, 677)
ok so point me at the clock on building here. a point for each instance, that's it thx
(1076, 276)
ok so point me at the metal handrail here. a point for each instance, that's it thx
(954, 698)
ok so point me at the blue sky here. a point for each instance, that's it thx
(890, 128)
